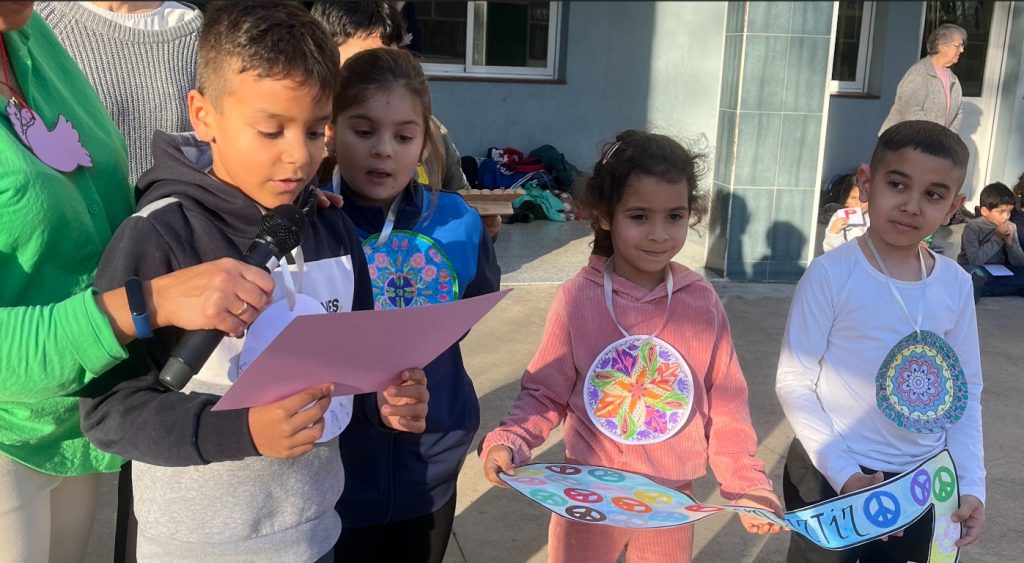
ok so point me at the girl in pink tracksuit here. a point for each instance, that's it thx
(637, 359)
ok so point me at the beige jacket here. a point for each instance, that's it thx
(920, 96)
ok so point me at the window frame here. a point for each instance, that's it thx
(470, 70)
(859, 85)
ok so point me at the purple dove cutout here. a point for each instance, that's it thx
(59, 149)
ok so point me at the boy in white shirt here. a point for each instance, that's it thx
(864, 401)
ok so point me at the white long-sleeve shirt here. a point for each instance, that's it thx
(843, 321)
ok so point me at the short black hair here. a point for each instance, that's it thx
(273, 39)
(926, 137)
(996, 195)
(344, 20)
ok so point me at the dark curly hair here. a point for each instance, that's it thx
(639, 152)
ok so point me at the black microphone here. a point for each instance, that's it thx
(280, 232)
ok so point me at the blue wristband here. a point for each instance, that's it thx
(137, 305)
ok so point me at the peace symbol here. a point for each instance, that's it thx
(607, 475)
(653, 497)
(528, 481)
(563, 469)
(529, 472)
(585, 513)
(624, 520)
(882, 509)
(549, 498)
(564, 480)
(702, 508)
(583, 495)
(921, 487)
(668, 517)
(943, 484)
(630, 504)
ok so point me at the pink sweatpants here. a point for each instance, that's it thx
(575, 542)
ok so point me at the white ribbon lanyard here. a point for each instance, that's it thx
(292, 282)
(389, 223)
(892, 287)
(611, 309)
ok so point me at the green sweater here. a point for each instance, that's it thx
(53, 229)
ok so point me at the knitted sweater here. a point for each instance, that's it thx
(579, 327)
(53, 229)
(142, 76)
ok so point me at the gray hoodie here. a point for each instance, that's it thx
(202, 492)
(981, 245)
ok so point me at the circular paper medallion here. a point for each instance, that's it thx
(409, 270)
(921, 386)
(639, 390)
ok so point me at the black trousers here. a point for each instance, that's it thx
(423, 539)
(803, 485)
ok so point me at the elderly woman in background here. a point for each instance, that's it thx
(929, 90)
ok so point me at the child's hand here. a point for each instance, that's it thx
(760, 498)
(404, 406)
(839, 224)
(286, 428)
(859, 481)
(971, 515)
(326, 199)
(1004, 230)
(498, 458)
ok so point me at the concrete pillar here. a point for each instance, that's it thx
(769, 144)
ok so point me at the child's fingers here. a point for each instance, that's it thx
(308, 436)
(413, 425)
(414, 411)
(407, 394)
(491, 470)
(312, 415)
(296, 402)
(414, 376)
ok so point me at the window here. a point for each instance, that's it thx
(976, 19)
(854, 27)
(510, 39)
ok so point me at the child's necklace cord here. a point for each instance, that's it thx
(8, 71)
(608, 267)
(892, 287)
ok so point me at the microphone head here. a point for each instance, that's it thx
(282, 226)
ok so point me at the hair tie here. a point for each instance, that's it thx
(611, 150)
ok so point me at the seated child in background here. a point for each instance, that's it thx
(1017, 215)
(835, 338)
(839, 228)
(246, 484)
(992, 239)
(642, 197)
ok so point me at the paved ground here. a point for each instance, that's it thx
(498, 526)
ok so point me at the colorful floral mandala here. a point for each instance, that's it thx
(639, 391)
(921, 386)
(409, 270)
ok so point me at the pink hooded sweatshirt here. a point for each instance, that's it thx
(579, 328)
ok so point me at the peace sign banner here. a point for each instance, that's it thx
(600, 495)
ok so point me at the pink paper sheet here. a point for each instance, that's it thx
(359, 352)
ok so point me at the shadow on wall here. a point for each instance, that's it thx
(786, 244)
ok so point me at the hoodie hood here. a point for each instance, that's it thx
(181, 165)
(681, 277)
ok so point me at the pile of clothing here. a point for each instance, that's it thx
(544, 173)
